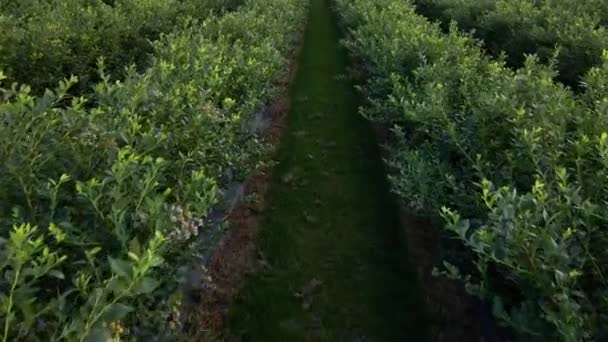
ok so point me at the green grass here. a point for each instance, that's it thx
(331, 221)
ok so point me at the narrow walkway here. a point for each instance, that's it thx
(335, 265)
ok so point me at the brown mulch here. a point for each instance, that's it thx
(236, 257)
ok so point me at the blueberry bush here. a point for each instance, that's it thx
(569, 34)
(512, 162)
(44, 41)
(104, 196)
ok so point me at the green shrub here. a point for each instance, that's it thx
(45, 41)
(103, 197)
(512, 161)
(577, 29)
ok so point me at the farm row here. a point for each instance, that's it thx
(512, 162)
(576, 28)
(103, 195)
(43, 42)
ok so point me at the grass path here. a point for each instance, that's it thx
(335, 264)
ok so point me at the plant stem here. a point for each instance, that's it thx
(10, 303)
(94, 319)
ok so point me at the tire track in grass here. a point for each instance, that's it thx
(333, 266)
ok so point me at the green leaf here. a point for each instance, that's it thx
(147, 285)
(116, 312)
(133, 256)
(120, 267)
(135, 246)
(57, 274)
(93, 251)
(462, 228)
(98, 334)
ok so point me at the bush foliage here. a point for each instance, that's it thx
(577, 29)
(103, 196)
(513, 162)
(44, 41)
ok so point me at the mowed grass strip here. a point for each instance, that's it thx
(333, 266)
